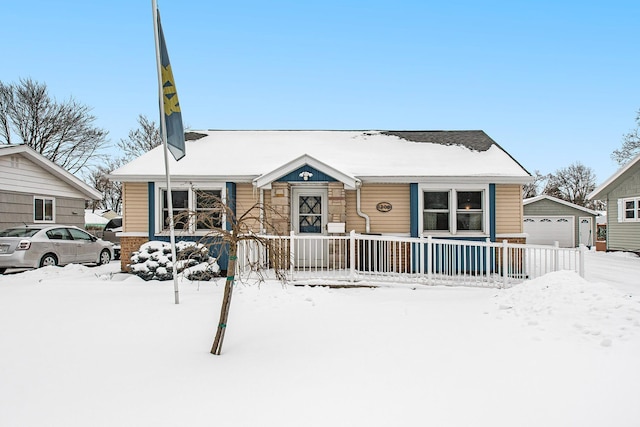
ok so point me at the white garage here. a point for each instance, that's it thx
(545, 230)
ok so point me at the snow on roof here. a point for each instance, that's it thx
(250, 154)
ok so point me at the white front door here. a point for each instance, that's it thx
(309, 209)
(586, 231)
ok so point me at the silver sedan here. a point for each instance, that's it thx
(37, 245)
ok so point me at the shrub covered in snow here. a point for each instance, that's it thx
(153, 261)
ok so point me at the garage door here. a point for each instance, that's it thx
(545, 230)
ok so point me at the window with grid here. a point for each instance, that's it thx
(631, 209)
(310, 214)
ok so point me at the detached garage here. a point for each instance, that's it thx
(548, 219)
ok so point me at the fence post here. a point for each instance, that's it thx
(421, 251)
(581, 259)
(505, 263)
(352, 255)
(556, 256)
(487, 260)
(292, 253)
(429, 260)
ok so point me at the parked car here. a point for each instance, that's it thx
(37, 245)
(109, 234)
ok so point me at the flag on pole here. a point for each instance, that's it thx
(172, 114)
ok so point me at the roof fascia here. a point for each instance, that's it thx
(604, 188)
(560, 201)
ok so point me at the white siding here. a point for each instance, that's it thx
(21, 175)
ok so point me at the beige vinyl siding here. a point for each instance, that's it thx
(246, 197)
(396, 221)
(509, 214)
(135, 197)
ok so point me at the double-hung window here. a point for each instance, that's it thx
(453, 211)
(630, 209)
(43, 208)
(193, 209)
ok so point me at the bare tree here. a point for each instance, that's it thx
(532, 189)
(140, 140)
(211, 210)
(630, 145)
(111, 190)
(63, 132)
(572, 184)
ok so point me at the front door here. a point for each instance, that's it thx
(310, 220)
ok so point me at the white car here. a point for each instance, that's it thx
(38, 245)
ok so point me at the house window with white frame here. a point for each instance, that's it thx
(192, 207)
(453, 211)
(43, 208)
(208, 210)
(631, 209)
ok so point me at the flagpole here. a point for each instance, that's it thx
(163, 132)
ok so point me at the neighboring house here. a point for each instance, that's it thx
(548, 220)
(33, 189)
(621, 192)
(453, 184)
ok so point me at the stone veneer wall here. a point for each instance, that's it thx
(127, 246)
(337, 202)
(280, 218)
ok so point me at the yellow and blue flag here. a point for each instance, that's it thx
(172, 114)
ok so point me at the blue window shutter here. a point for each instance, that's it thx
(413, 202)
(231, 201)
(492, 212)
(151, 189)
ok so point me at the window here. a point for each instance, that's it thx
(436, 211)
(631, 209)
(469, 214)
(454, 211)
(186, 204)
(208, 211)
(42, 209)
(180, 204)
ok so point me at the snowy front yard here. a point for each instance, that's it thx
(83, 346)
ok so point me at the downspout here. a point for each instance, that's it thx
(367, 221)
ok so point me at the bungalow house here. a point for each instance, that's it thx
(453, 184)
(621, 192)
(548, 220)
(33, 189)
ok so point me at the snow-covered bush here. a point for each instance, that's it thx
(153, 261)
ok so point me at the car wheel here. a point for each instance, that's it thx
(105, 257)
(49, 259)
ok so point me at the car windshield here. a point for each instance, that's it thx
(19, 232)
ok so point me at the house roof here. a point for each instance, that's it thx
(606, 187)
(560, 201)
(382, 156)
(52, 168)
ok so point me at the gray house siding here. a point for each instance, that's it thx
(548, 207)
(17, 208)
(623, 236)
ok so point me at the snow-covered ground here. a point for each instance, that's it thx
(88, 346)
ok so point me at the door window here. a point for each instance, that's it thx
(310, 214)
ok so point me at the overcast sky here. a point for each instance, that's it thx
(553, 82)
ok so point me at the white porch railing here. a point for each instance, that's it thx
(361, 258)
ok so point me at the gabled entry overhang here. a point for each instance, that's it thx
(264, 181)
